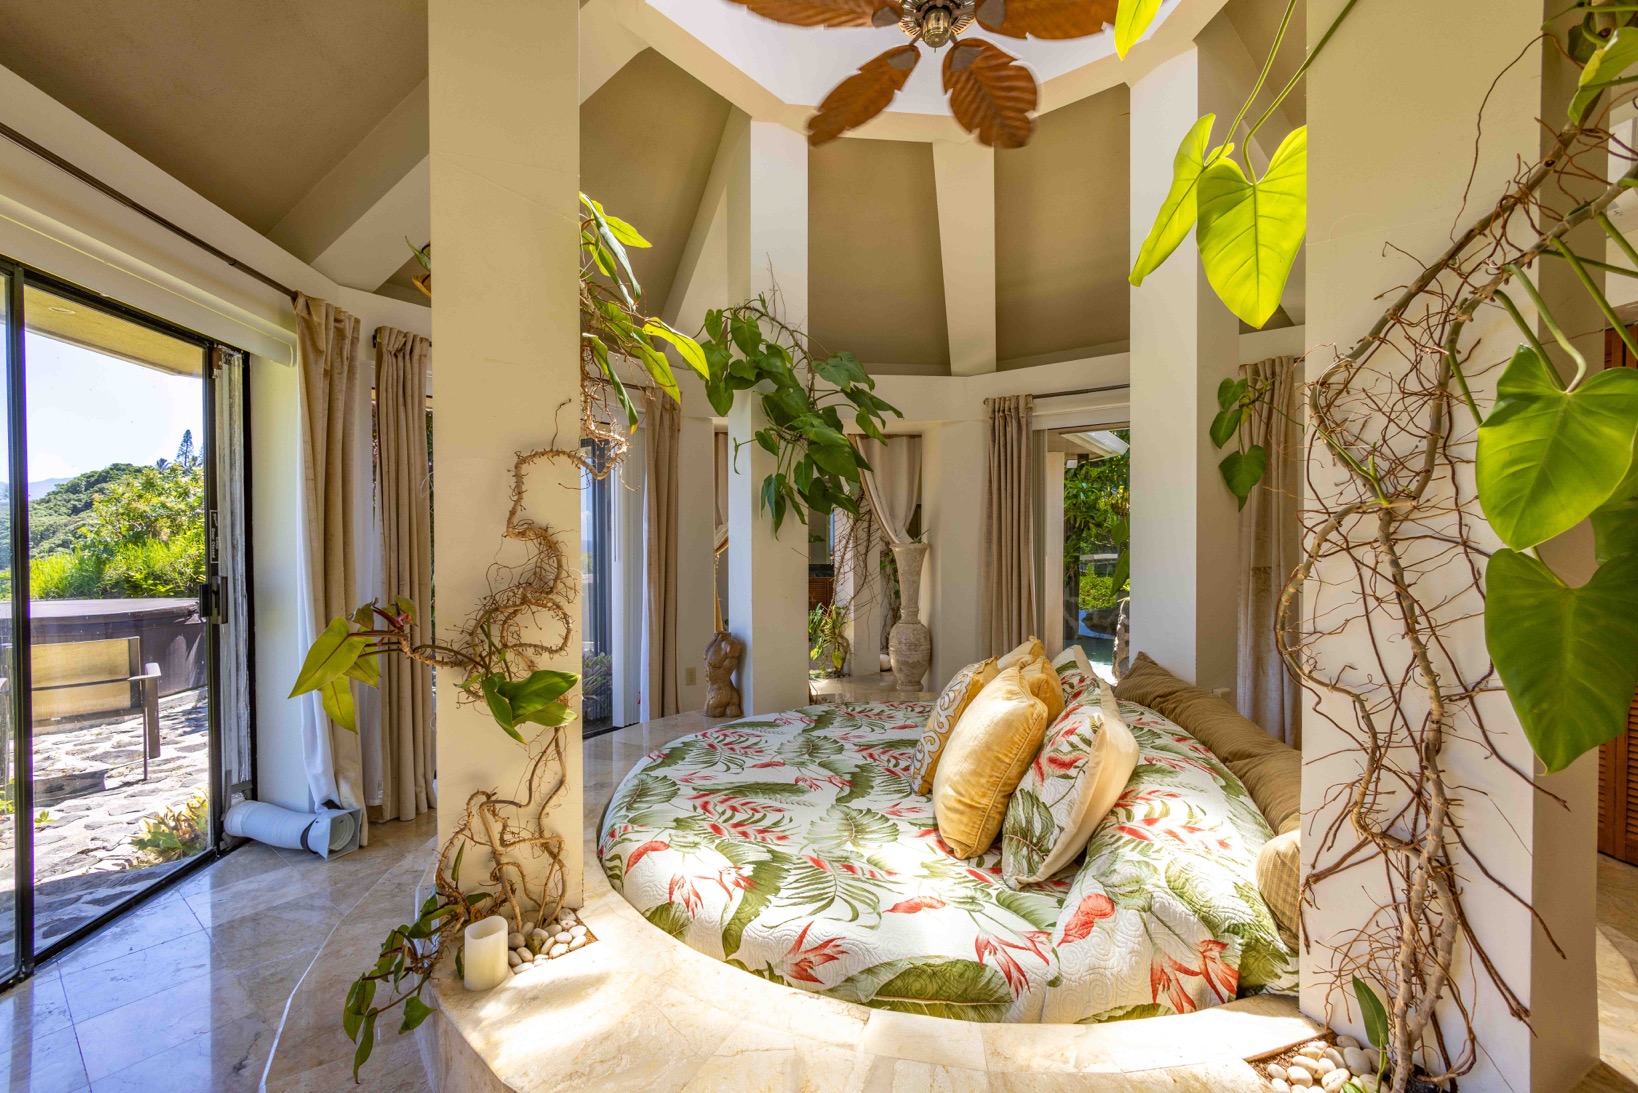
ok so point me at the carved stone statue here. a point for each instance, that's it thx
(721, 661)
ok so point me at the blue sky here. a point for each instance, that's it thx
(86, 410)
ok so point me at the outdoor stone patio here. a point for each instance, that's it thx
(82, 845)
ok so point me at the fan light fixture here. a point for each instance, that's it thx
(992, 95)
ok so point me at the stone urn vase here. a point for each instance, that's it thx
(910, 644)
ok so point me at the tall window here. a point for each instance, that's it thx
(1097, 511)
(125, 667)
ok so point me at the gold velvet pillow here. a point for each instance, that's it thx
(985, 758)
(1041, 681)
(946, 712)
(1030, 650)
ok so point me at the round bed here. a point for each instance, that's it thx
(793, 847)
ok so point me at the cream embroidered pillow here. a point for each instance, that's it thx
(991, 747)
(946, 712)
(1082, 769)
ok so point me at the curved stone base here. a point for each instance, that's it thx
(640, 1010)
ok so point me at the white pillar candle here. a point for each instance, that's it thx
(484, 963)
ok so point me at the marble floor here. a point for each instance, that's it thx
(233, 980)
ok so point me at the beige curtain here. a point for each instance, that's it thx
(893, 483)
(1009, 585)
(1270, 539)
(404, 487)
(327, 358)
(662, 418)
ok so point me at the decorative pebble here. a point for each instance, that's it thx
(1276, 1072)
(513, 960)
(1313, 1050)
(577, 943)
(1299, 1078)
(526, 956)
(577, 930)
(1368, 1082)
(1279, 1085)
(1334, 1080)
(1346, 1042)
(562, 937)
(520, 969)
(538, 934)
(1308, 1065)
(1322, 1067)
(1334, 1055)
(557, 951)
(514, 941)
(1357, 1061)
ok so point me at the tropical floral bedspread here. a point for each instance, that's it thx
(793, 847)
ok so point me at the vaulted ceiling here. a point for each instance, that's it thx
(307, 120)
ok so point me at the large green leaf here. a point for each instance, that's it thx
(1250, 232)
(1029, 832)
(1243, 470)
(337, 697)
(1132, 18)
(333, 653)
(1548, 457)
(960, 989)
(1615, 522)
(1181, 208)
(688, 347)
(1606, 66)
(1374, 1013)
(765, 879)
(1568, 656)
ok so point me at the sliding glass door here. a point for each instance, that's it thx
(114, 669)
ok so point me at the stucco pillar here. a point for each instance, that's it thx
(767, 573)
(954, 461)
(505, 143)
(1184, 342)
(1393, 119)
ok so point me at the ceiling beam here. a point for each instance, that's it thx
(606, 45)
(964, 176)
(394, 149)
(702, 272)
(375, 245)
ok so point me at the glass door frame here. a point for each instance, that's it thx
(18, 278)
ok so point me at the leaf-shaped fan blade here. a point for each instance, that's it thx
(1046, 18)
(991, 94)
(828, 13)
(863, 95)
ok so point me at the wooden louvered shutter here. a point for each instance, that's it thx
(1618, 760)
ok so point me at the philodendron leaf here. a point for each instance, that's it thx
(534, 700)
(1250, 232)
(1132, 18)
(1606, 66)
(332, 654)
(1225, 425)
(690, 349)
(1181, 208)
(337, 697)
(1568, 656)
(500, 707)
(1374, 1013)
(1243, 470)
(1548, 457)
(1615, 522)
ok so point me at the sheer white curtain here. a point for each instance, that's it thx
(893, 484)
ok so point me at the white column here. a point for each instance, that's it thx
(1385, 167)
(1184, 343)
(505, 144)
(964, 175)
(767, 574)
(953, 465)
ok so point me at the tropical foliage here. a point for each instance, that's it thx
(793, 848)
(173, 833)
(827, 637)
(803, 394)
(120, 531)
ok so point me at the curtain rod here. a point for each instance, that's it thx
(1087, 391)
(135, 206)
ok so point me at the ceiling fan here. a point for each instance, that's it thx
(992, 94)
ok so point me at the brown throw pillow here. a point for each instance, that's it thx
(1279, 878)
(960, 691)
(993, 744)
(1270, 770)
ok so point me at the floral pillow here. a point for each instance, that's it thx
(1079, 686)
(1082, 769)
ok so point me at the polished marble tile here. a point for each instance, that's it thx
(155, 922)
(96, 990)
(228, 1058)
(35, 1008)
(298, 925)
(121, 1038)
(45, 1064)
